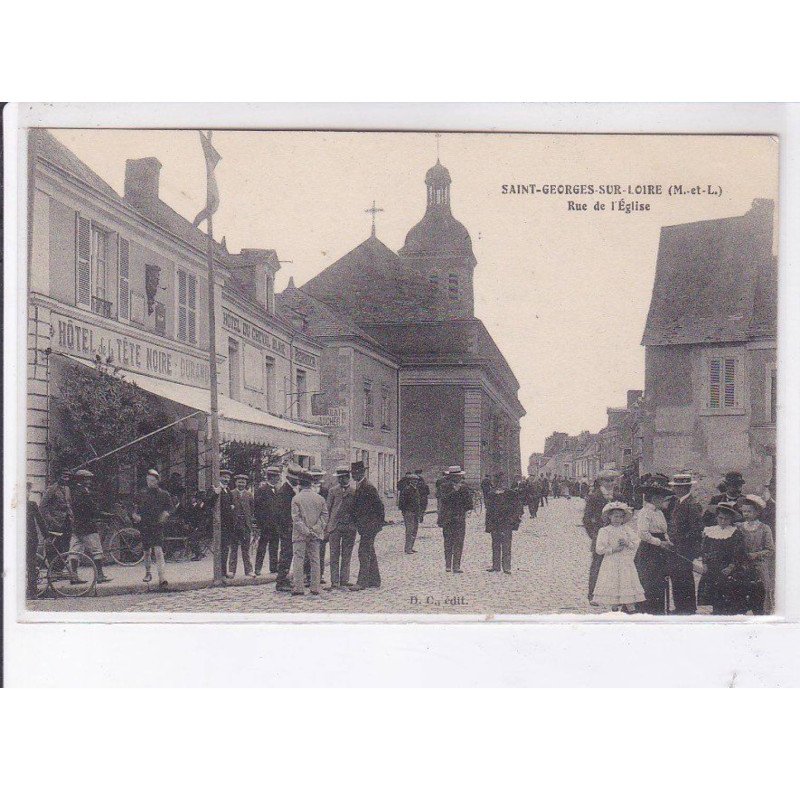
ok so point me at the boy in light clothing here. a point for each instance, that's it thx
(309, 517)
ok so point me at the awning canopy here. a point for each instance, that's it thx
(238, 422)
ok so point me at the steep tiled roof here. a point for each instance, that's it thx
(713, 280)
(319, 319)
(48, 148)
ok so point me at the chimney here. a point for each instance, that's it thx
(141, 178)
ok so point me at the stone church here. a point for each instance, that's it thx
(458, 399)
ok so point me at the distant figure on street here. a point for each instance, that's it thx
(545, 485)
(153, 507)
(341, 529)
(408, 501)
(486, 487)
(503, 516)
(424, 494)
(369, 516)
(593, 520)
(455, 500)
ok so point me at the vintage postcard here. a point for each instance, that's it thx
(402, 373)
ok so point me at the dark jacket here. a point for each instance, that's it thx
(686, 527)
(262, 507)
(85, 510)
(424, 493)
(56, 508)
(408, 498)
(593, 512)
(368, 510)
(503, 511)
(227, 520)
(454, 504)
(282, 510)
(710, 514)
(243, 510)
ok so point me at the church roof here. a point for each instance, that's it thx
(438, 233)
(371, 284)
(715, 281)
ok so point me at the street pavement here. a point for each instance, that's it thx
(550, 560)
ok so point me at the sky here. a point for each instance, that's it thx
(564, 293)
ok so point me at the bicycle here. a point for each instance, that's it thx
(124, 543)
(70, 574)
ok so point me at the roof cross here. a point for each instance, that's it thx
(374, 211)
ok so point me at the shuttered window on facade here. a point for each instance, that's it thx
(187, 306)
(722, 383)
(124, 288)
(83, 266)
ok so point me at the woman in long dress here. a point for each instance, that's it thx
(760, 550)
(617, 582)
(652, 558)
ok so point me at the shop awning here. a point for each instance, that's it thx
(238, 422)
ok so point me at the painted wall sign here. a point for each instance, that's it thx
(88, 340)
(247, 330)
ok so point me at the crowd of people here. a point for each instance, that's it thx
(729, 543)
(287, 523)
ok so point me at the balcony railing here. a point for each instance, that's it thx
(101, 307)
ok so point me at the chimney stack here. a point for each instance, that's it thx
(141, 178)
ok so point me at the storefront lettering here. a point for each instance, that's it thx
(304, 359)
(89, 341)
(252, 332)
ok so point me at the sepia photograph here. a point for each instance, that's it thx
(282, 372)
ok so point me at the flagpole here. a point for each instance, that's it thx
(214, 416)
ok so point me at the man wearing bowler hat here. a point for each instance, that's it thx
(686, 534)
(368, 514)
(263, 511)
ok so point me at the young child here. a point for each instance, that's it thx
(618, 582)
(760, 550)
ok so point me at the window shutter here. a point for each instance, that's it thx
(181, 304)
(191, 324)
(715, 379)
(730, 383)
(124, 301)
(83, 270)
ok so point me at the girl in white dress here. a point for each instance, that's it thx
(618, 582)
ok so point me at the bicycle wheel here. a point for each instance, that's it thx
(41, 576)
(125, 547)
(72, 574)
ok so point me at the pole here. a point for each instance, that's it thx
(214, 416)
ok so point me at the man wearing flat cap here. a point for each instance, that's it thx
(685, 528)
(243, 526)
(606, 492)
(263, 503)
(153, 507)
(369, 517)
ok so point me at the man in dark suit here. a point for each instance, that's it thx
(262, 509)
(455, 501)
(503, 517)
(408, 501)
(368, 515)
(243, 526)
(282, 519)
(686, 535)
(593, 519)
(225, 515)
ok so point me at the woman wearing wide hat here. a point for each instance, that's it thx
(652, 559)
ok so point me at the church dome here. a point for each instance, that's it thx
(437, 174)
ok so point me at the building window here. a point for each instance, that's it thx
(187, 307)
(92, 288)
(385, 409)
(369, 402)
(302, 393)
(101, 304)
(234, 369)
(722, 391)
(123, 282)
(452, 286)
(269, 382)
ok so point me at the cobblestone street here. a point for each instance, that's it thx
(549, 572)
